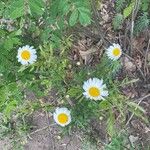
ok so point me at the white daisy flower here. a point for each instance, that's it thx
(114, 51)
(62, 116)
(95, 89)
(26, 55)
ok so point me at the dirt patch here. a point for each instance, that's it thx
(43, 138)
(5, 144)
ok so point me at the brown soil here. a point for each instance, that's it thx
(43, 138)
(50, 138)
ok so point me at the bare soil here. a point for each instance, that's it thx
(50, 138)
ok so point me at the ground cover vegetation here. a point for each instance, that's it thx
(37, 38)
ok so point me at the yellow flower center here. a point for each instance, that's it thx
(116, 52)
(25, 55)
(94, 91)
(63, 118)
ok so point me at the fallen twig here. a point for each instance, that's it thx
(142, 74)
(49, 125)
(146, 56)
(140, 100)
(134, 13)
(41, 129)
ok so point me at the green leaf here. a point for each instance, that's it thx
(16, 9)
(117, 21)
(119, 5)
(66, 9)
(145, 5)
(84, 17)
(9, 43)
(64, 6)
(84, 9)
(9, 108)
(135, 106)
(128, 10)
(111, 124)
(73, 17)
(74, 91)
(18, 12)
(104, 105)
(141, 23)
(2, 8)
(36, 7)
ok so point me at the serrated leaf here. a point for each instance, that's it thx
(141, 23)
(119, 4)
(16, 12)
(84, 18)
(64, 6)
(73, 17)
(117, 21)
(36, 7)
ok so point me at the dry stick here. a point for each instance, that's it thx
(38, 130)
(134, 13)
(96, 17)
(140, 100)
(142, 74)
(126, 38)
(48, 120)
(146, 55)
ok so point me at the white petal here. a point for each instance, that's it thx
(105, 93)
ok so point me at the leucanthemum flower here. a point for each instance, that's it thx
(95, 89)
(114, 51)
(26, 55)
(62, 116)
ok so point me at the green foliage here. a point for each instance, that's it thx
(145, 5)
(42, 21)
(20, 25)
(9, 99)
(84, 110)
(70, 12)
(14, 113)
(118, 142)
(8, 55)
(119, 5)
(83, 14)
(73, 17)
(128, 10)
(117, 21)
(142, 23)
(34, 8)
(45, 26)
(124, 11)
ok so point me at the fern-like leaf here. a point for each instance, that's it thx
(119, 4)
(117, 21)
(142, 23)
